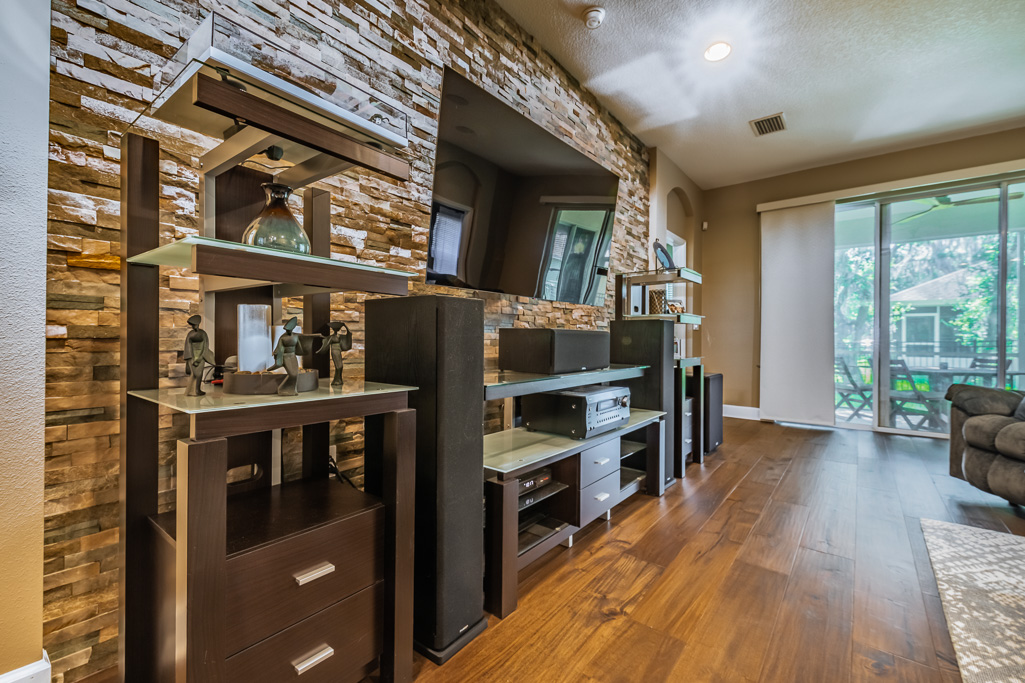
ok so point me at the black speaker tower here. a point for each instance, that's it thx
(436, 343)
(650, 342)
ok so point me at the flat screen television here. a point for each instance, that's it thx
(514, 208)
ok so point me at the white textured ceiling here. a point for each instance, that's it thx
(854, 78)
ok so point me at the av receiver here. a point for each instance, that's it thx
(577, 413)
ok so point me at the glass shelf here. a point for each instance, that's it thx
(294, 274)
(216, 400)
(179, 255)
(682, 362)
(225, 50)
(662, 277)
(507, 383)
(517, 450)
(681, 318)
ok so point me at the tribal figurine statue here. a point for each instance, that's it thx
(197, 354)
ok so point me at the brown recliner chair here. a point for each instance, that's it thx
(987, 440)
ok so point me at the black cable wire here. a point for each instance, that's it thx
(332, 468)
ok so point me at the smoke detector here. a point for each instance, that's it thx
(593, 16)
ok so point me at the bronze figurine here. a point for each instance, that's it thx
(197, 354)
(285, 351)
(336, 343)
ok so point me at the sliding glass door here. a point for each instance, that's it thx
(854, 322)
(940, 268)
(1015, 360)
(927, 295)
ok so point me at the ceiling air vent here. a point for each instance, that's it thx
(768, 124)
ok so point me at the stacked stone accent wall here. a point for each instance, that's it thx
(104, 55)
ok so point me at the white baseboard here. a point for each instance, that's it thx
(741, 412)
(36, 672)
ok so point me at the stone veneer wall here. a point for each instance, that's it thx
(102, 59)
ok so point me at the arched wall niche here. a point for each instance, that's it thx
(682, 224)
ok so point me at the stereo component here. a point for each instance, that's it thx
(577, 413)
(535, 480)
(552, 352)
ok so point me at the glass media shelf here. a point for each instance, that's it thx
(515, 451)
(507, 384)
(216, 400)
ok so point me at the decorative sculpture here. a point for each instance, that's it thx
(336, 343)
(285, 351)
(665, 261)
(197, 354)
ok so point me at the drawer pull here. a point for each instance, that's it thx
(688, 414)
(603, 461)
(313, 660)
(601, 497)
(687, 440)
(317, 572)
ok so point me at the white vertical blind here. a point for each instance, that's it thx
(797, 314)
(446, 240)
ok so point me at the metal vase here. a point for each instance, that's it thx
(276, 227)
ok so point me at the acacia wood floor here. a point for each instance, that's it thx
(792, 555)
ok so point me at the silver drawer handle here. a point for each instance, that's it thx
(603, 461)
(313, 660)
(317, 572)
(687, 440)
(601, 497)
(688, 414)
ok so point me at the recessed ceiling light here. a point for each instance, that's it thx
(717, 52)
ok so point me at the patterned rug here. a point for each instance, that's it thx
(981, 576)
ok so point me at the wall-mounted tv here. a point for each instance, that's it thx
(515, 209)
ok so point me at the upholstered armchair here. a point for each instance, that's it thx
(987, 440)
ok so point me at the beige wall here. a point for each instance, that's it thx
(730, 247)
(677, 205)
(24, 80)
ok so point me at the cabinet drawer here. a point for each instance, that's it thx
(599, 497)
(332, 646)
(280, 584)
(599, 462)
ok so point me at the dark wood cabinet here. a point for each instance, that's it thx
(255, 581)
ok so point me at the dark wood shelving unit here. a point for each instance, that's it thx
(687, 437)
(587, 471)
(255, 580)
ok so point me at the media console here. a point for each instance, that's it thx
(588, 478)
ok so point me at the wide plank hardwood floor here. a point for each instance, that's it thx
(793, 554)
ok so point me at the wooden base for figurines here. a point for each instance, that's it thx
(267, 382)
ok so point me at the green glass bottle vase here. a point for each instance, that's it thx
(276, 227)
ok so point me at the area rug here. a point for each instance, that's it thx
(981, 576)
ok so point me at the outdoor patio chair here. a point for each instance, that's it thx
(852, 391)
(989, 364)
(920, 409)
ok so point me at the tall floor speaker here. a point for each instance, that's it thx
(436, 343)
(713, 410)
(650, 342)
